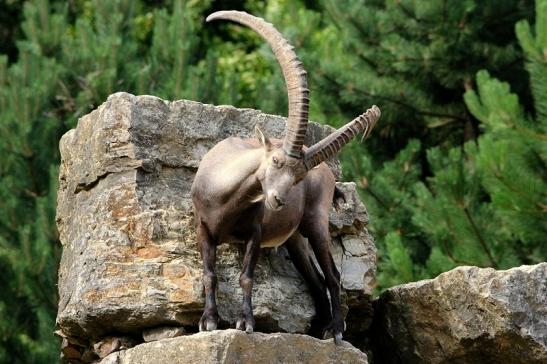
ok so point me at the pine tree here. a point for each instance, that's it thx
(512, 153)
(485, 203)
(28, 146)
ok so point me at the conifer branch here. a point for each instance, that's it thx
(451, 256)
(401, 103)
(376, 197)
(480, 237)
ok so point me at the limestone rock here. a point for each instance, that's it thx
(74, 350)
(350, 216)
(467, 315)
(110, 344)
(159, 333)
(130, 260)
(233, 346)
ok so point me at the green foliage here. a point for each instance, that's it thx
(28, 145)
(396, 256)
(415, 59)
(534, 47)
(512, 150)
(512, 159)
(388, 192)
(450, 210)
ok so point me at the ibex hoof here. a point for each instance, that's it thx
(208, 322)
(210, 326)
(245, 325)
(338, 338)
(240, 325)
(335, 330)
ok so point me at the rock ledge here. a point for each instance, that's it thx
(234, 346)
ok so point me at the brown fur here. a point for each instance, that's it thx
(228, 180)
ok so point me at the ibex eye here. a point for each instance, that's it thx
(274, 160)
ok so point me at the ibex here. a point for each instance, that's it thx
(268, 192)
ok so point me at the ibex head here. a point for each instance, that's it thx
(277, 173)
(284, 167)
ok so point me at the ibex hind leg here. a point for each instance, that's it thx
(315, 228)
(209, 319)
(301, 256)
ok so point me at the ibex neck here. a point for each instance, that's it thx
(239, 178)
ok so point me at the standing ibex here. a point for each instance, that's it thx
(269, 192)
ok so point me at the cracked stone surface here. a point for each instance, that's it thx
(467, 315)
(130, 261)
(234, 346)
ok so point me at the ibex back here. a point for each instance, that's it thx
(271, 192)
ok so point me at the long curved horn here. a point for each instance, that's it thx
(332, 144)
(293, 72)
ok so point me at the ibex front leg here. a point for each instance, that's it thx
(246, 319)
(208, 248)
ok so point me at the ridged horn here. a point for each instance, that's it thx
(332, 144)
(293, 72)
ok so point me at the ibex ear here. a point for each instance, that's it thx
(262, 138)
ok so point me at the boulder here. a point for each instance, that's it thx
(130, 261)
(234, 346)
(467, 315)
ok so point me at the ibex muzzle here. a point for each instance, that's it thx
(270, 192)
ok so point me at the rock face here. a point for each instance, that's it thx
(130, 260)
(467, 315)
(234, 346)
